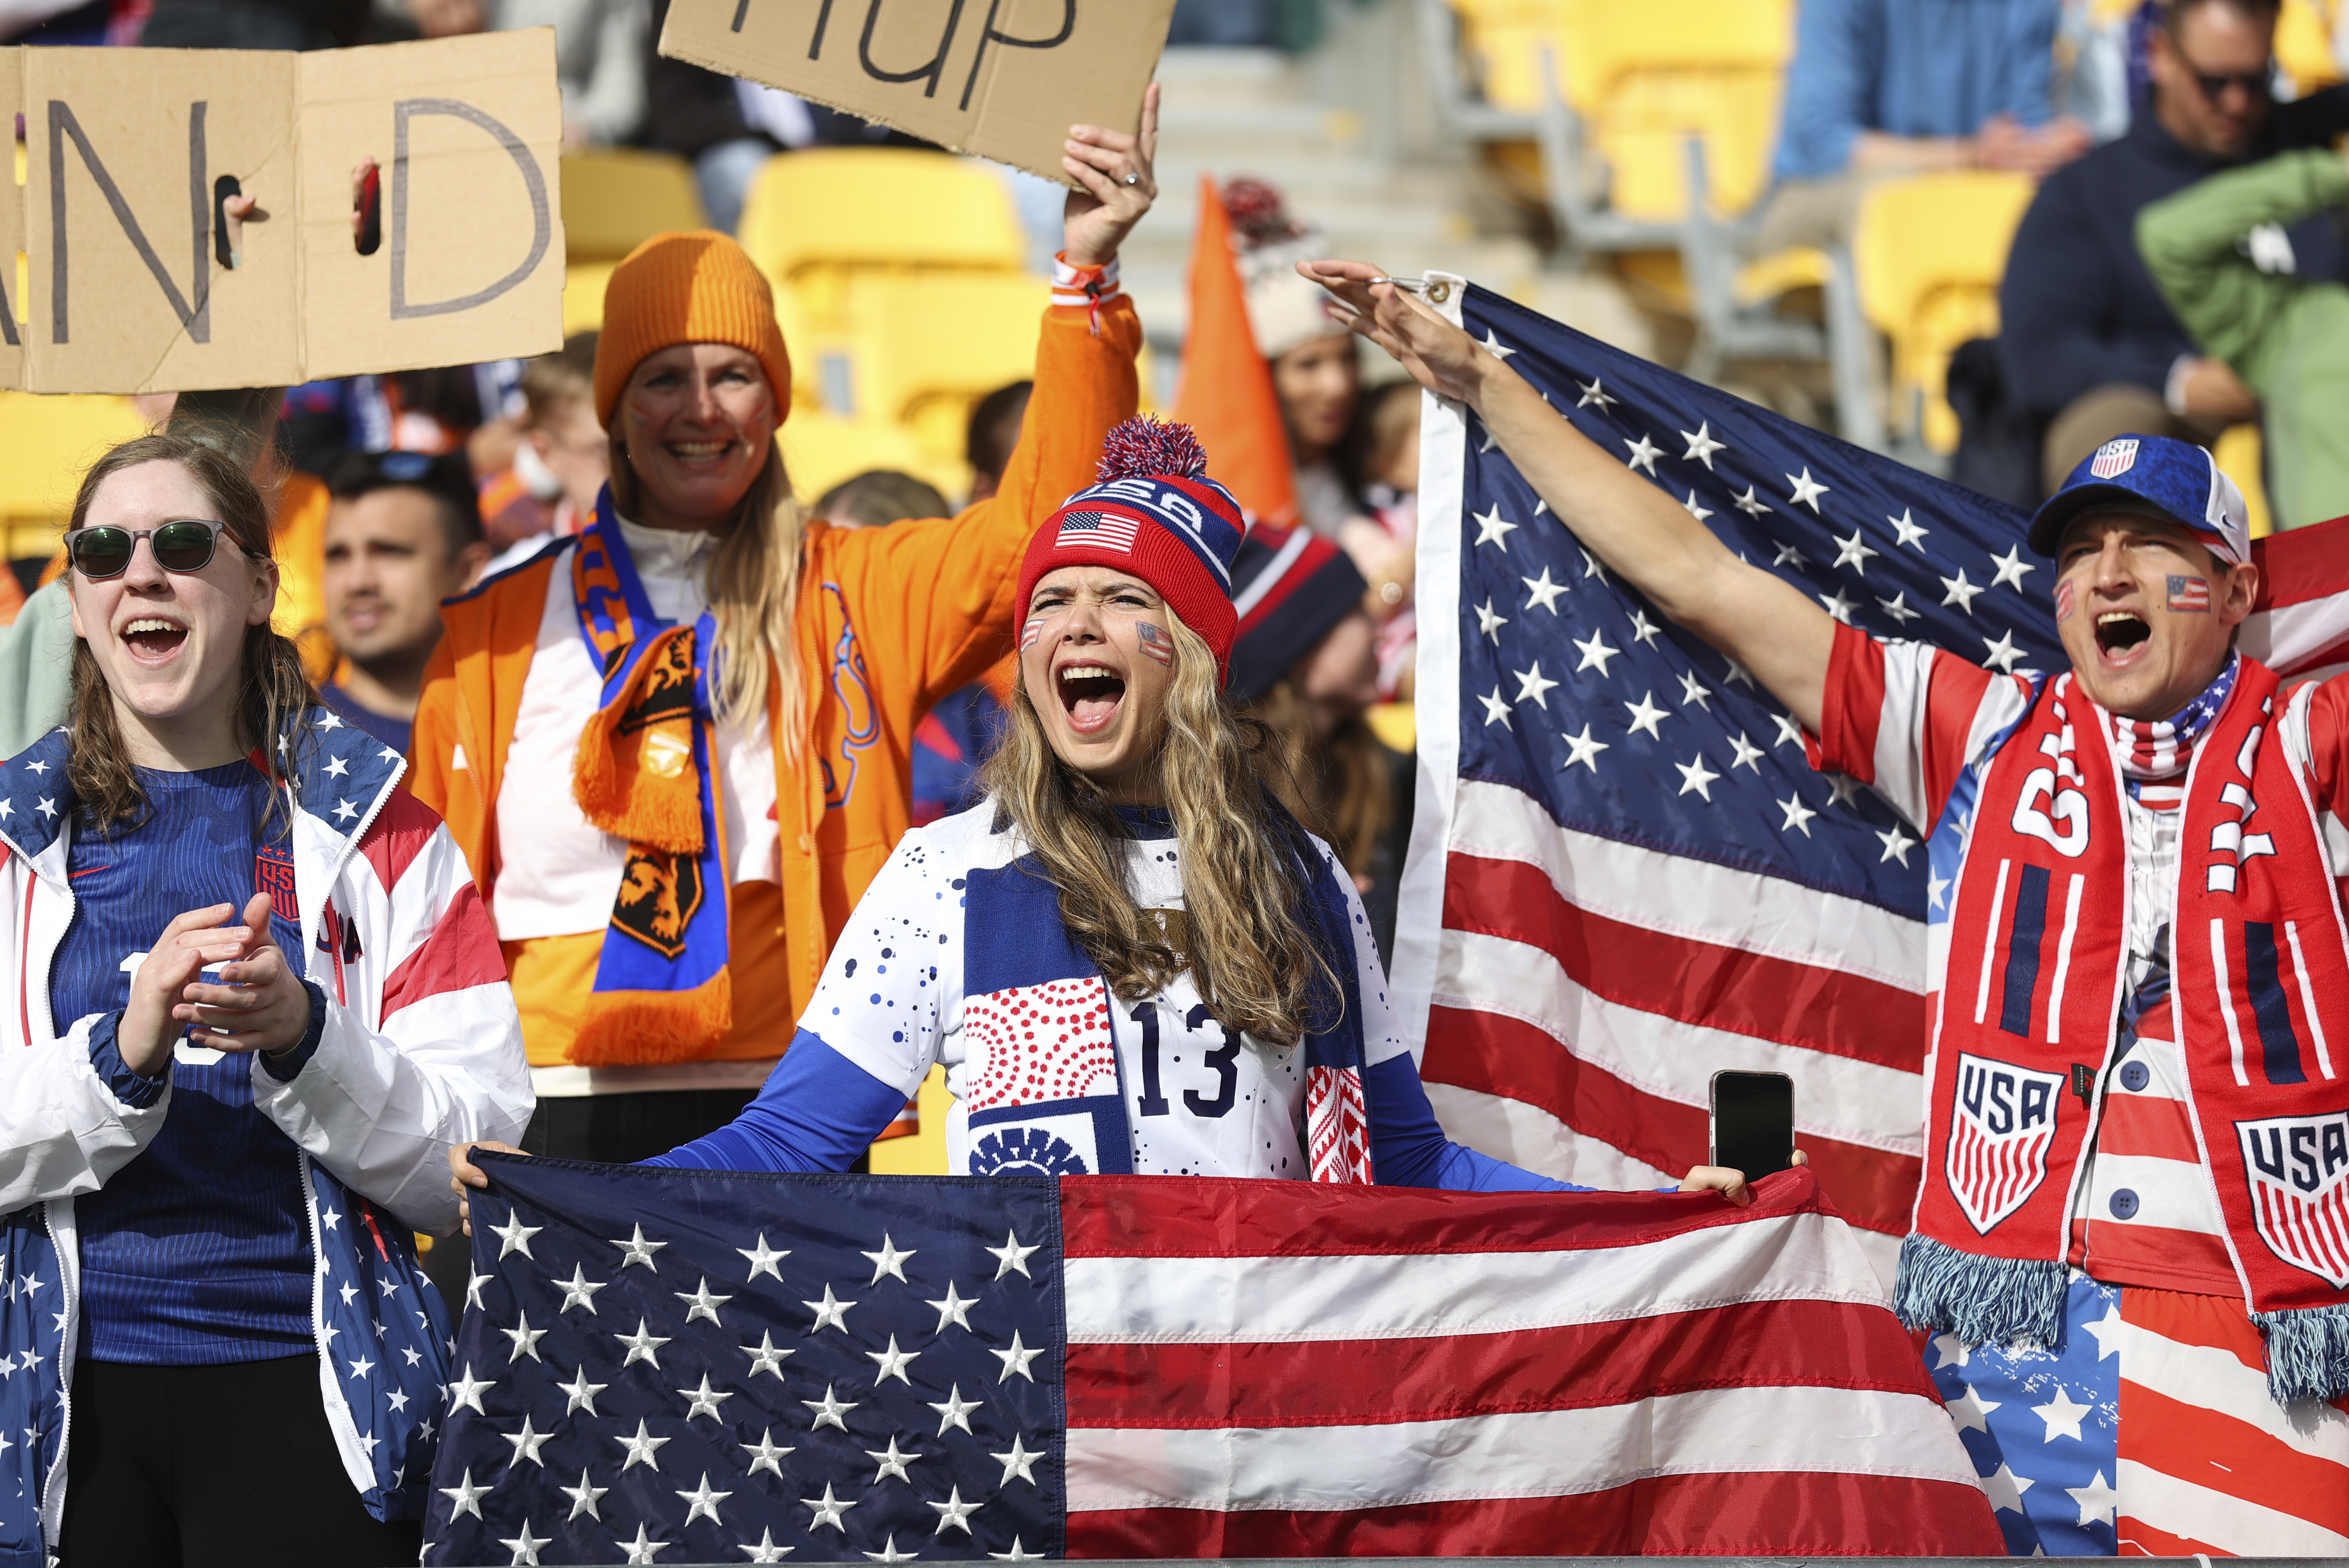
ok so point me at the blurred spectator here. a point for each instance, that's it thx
(1315, 372)
(402, 535)
(599, 59)
(1384, 459)
(256, 24)
(2218, 252)
(2100, 62)
(431, 411)
(2092, 348)
(1292, 25)
(994, 430)
(878, 497)
(560, 462)
(1882, 87)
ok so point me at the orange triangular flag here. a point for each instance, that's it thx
(1226, 395)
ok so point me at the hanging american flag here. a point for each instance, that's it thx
(683, 1367)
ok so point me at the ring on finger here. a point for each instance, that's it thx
(1133, 179)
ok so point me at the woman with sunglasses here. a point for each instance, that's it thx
(1129, 957)
(257, 990)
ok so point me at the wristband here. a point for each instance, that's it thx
(1084, 286)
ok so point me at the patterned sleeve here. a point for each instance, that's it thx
(895, 970)
(1905, 717)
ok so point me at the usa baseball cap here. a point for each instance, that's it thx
(2172, 479)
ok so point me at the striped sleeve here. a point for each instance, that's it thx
(422, 1047)
(1906, 717)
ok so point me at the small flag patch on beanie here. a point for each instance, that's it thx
(1099, 528)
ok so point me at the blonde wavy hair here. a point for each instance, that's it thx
(1245, 860)
(754, 595)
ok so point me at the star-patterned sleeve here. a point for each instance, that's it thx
(1905, 718)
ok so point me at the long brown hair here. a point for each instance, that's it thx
(1340, 786)
(1244, 864)
(273, 691)
(754, 593)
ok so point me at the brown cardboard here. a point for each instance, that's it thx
(1001, 78)
(117, 217)
(13, 312)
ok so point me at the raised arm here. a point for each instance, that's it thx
(1637, 530)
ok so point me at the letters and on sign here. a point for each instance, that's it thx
(130, 153)
(2000, 1129)
(1001, 78)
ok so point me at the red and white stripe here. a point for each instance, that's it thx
(2299, 626)
(1332, 1372)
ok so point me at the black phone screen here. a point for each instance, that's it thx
(1753, 1122)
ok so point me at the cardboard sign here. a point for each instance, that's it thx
(130, 154)
(1001, 78)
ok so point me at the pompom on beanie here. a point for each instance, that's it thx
(698, 287)
(1154, 513)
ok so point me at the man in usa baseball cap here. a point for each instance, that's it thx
(2173, 480)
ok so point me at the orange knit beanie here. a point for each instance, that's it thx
(699, 287)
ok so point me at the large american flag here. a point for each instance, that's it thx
(1641, 880)
(660, 1366)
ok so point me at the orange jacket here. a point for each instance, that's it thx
(889, 620)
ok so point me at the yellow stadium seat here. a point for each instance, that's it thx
(851, 208)
(1929, 254)
(583, 295)
(822, 449)
(614, 199)
(50, 442)
(2241, 457)
(2304, 44)
(920, 349)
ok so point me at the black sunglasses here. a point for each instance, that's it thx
(185, 545)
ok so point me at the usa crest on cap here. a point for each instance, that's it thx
(2114, 458)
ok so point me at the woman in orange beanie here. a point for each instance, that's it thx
(676, 746)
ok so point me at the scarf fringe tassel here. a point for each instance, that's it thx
(647, 1028)
(2000, 1301)
(2308, 1352)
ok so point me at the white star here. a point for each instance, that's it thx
(1788, 555)
(2005, 1488)
(349, 1294)
(344, 812)
(1905, 526)
(2062, 1415)
(1545, 592)
(636, 1249)
(1585, 750)
(1011, 1255)
(1592, 394)
(1842, 789)
(1971, 1411)
(642, 1549)
(1702, 446)
(48, 807)
(889, 1552)
(465, 1497)
(893, 1461)
(583, 1394)
(643, 1345)
(474, 1286)
(578, 1290)
(703, 1303)
(1646, 715)
(766, 1453)
(515, 1236)
(326, 720)
(704, 1400)
(766, 1550)
(1935, 888)
(467, 1390)
(526, 1444)
(1591, 568)
(1496, 709)
(1897, 607)
(1751, 506)
(1492, 528)
(829, 1409)
(1016, 1554)
(1016, 1359)
(1489, 624)
(399, 1398)
(1839, 605)
(337, 768)
(2097, 1500)
(359, 1368)
(2002, 653)
(1693, 509)
(953, 1309)
(583, 1496)
(1595, 651)
(956, 1411)
(525, 1546)
(6, 807)
(1643, 630)
(524, 1338)
(1896, 845)
(2107, 1330)
(1693, 690)
(1532, 687)
(1020, 1462)
(827, 1511)
(1491, 440)
(1644, 453)
(1746, 754)
(763, 1261)
(1695, 776)
(2010, 567)
(1952, 1351)
(831, 1310)
(765, 1358)
(953, 1513)
(642, 1449)
(1853, 552)
(1493, 346)
(1962, 592)
(704, 1500)
(893, 1362)
(1797, 814)
(1807, 492)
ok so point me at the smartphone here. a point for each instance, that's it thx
(1753, 1122)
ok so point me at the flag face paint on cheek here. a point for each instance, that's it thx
(2063, 604)
(1032, 632)
(2190, 595)
(1155, 643)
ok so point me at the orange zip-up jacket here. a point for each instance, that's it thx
(889, 620)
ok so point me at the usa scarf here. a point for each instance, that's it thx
(642, 774)
(2037, 962)
(1036, 1011)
